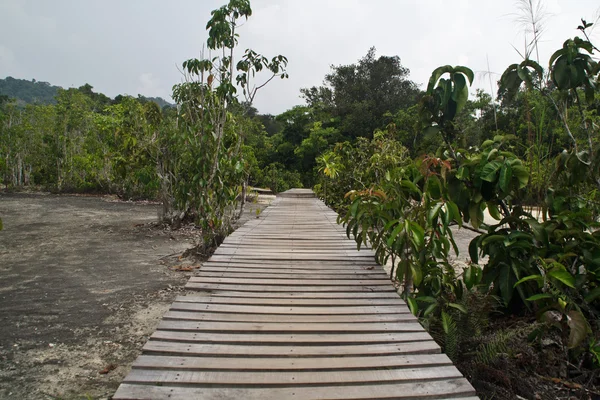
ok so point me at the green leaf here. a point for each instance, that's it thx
(521, 174)
(417, 274)
(434, 187)
(389, 224)
(493, 210)
(592, 295)
(461, 92)
(468, 72)
(475, 215)
(505, 282)
(492, 239)
(538, 278)
(474, 250)
(433, 213)
(505, 178)
(459, 193)
(426, 299)
(563, 275)
(472, 276)
(539, 232)
(554, 56)
(487, 143)
(410, 186)
(435, 76)
(490, 171)
(492, 155)
(447, 323)
(354, 207)
(459, 307)
(402, 270)
(430, 309)
(395, 232)
(539, 296)
(510, 80)
(452, 209)
(418, 234)
(412, 305)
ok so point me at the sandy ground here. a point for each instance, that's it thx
(83, 282)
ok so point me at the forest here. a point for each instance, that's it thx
(402, 165)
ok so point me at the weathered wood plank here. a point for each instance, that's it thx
(450, 388)
(308, 295)
(290, 302)
(291, 378)
(290, 364)
(334, 266)
(289, 275)
(347, 319)
(213, 287)
(294, 282)
(289, 327)
(233, 350)
(287, 308)
(298, 339)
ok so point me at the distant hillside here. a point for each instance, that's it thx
(37, 92)
(30, 92)
(159, 100)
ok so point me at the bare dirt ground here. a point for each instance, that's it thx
(83, 282)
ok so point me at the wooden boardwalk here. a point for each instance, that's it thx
(288, 309)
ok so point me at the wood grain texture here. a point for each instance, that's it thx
(287, 308)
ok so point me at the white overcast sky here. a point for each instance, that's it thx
(135, 46)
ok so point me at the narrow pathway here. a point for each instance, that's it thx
(288, 309)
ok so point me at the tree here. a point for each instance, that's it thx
(204, 164)
(359, 95)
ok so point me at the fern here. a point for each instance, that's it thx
(489, 352)
(451, 335)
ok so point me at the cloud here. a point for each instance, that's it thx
(149, 85)
(114, 44)
(8, 62)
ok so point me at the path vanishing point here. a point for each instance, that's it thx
(287, 308)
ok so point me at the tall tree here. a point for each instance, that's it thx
(359, 95)
(205, 167)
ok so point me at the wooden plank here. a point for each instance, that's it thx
(290, 257)
(297, 339)
(288, 378)
(212, 287)
(348, 319)
(290, 364)
(286, 274)
(390, 294)
(334, 267)
(429, 390)
(286, 248)
(325, 268)
(296, 282)
(288, 310)
(289, 350)
(307, 264)
(289, 302)
(244, 244)
(290, 327)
